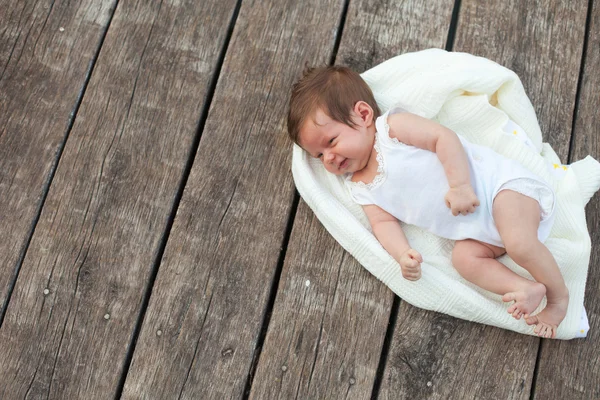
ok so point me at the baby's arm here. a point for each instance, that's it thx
(388, 231)
(421, 132)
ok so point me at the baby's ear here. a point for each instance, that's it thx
(364, 111)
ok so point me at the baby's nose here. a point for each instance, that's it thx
(329, 157)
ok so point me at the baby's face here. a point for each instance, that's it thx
(342, 149)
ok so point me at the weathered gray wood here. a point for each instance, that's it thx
(213, 287)
(327, 328)
(570, 370)
(46, 51)
(434, 356)
(377, 31)
(329, 335)
(110, 200)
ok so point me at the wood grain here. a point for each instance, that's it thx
(213, 287)
(570, 370)
(47, 49)
(378, 30)
(108, 207)
(438, 357)
(328, 324)
(329, 336)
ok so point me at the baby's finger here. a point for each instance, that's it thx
(412, 276)
(447, 203)
(413, 268)
(415, 255)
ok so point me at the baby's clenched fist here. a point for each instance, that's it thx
(461, 200)
(410, 262)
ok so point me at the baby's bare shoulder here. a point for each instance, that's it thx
(400, 125)
(403, 121)
(415, 130)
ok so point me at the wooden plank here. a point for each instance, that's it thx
(329, 336)
(328, 324)
(108, 207)
(47, 49)
(435, 356)
(570, 370)
(213, 287)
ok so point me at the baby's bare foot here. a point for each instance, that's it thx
(526, 298)
(546, 321)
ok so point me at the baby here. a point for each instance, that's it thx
(402, 167)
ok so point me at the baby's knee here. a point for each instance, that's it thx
(521, 249)
(463, 260)
(458, 255)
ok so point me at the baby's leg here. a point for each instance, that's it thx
(517, 218)
(476, 262)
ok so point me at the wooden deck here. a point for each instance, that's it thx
(152, 243)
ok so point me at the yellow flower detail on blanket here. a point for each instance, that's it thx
(556, 166)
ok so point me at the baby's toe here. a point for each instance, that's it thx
(509, 297)
(531, 320)
(543, 330)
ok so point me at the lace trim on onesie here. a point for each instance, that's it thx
(379, 176)
(386, 126)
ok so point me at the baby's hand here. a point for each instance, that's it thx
(461, 200)
(410, 262)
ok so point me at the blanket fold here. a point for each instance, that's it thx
(475, 97)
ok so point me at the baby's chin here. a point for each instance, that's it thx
(344, 173)
(337, 172)
(341, 172)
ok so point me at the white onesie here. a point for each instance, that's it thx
(411, 184)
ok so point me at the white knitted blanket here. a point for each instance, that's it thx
(455, 89)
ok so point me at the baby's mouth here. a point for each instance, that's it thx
(343, 164)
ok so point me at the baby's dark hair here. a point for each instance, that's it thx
(333, 89)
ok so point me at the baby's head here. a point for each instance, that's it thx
(333, 94)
